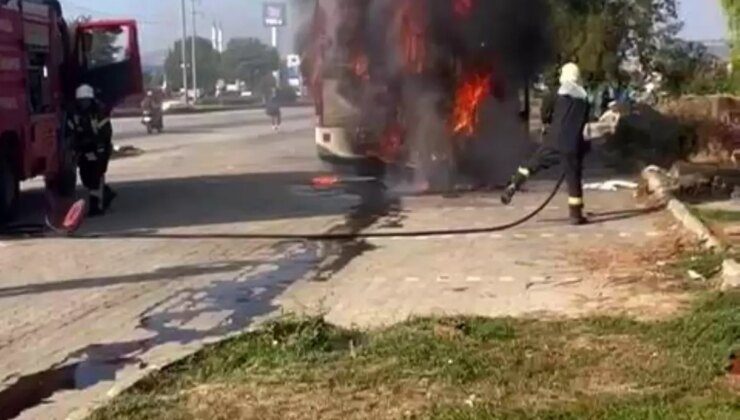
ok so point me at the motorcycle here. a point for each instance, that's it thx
(152, 122)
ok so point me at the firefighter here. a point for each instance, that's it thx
(92, 135)
(564, 142)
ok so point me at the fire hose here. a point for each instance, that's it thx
(409, 234)
(40, 229)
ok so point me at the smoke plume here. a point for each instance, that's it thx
(444, 75)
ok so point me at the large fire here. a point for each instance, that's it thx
(405, 79)
(470, 93)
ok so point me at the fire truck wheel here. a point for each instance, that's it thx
(9, 191)
(64, 184)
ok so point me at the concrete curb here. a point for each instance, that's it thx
(693, 224)
(657, 183)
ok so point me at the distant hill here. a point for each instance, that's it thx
(720, 50)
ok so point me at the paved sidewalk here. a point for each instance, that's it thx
(528, 270)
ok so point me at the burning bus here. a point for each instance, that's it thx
(421, 83)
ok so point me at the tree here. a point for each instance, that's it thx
(604, 35)
(208, 61)
(250, 60)
(732, 10)
(686, 67)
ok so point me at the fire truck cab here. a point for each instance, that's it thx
(42, 61)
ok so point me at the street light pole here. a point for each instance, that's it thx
(194, 62)
(182, 50)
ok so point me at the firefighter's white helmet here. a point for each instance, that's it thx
(570, 73)
(85, 92)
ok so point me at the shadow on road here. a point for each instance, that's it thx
(107, 281)
(222, 199)
(209, 309)
(230, 305)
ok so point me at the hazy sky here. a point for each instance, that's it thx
(160, 19)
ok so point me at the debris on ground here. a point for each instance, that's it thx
(611, 185)
(120, 152)
(734, 368)
(693, 275)
(647, 269)
(690, 185)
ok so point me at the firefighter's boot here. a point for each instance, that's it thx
(576, 217)
(516, 183)
(96, 202)
(95, 207)
(108, 197)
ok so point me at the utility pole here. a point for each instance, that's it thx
(276, 73)
(182, 50)
(195, 64)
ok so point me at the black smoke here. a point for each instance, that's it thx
(510, 38)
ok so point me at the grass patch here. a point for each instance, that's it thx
(461, 368)
(717, 216)
(704, 262)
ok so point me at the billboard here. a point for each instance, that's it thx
(275, 14)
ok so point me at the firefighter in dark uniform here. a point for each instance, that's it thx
(564, 142)
(92, 132)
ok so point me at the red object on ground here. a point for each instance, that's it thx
(325, 181)
(75, 216)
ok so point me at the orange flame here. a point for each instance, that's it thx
(413, 37)
(468, 97)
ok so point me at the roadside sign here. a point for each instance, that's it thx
(275, 14)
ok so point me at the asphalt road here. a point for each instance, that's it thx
(132, 129)
(176, 265)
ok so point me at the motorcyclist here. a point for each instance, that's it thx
(92, 136)
(153, 106)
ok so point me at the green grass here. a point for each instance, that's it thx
(705, 262)
(462, 368)
(718, 216)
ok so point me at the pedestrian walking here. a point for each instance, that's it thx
(273, 110)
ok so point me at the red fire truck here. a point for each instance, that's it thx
(42, 61)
